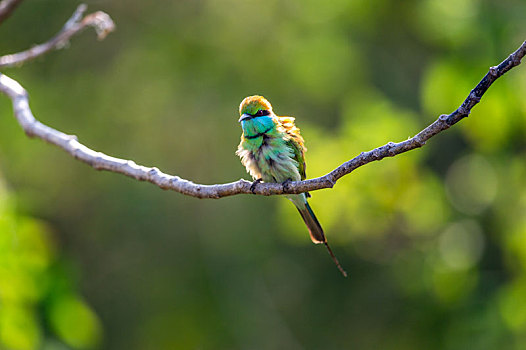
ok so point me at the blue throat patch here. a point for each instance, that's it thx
(257, 127)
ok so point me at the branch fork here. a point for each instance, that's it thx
(100, 21)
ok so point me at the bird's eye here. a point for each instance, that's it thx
(262, 112)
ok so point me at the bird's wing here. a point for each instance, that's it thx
(299, 157)
(295, 142)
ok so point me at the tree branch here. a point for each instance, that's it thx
(100, 21)
(101, 161)
(7, 7)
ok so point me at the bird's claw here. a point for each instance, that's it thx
(285, 184)
(253, 186)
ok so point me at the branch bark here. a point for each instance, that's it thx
(101, 161)
(100, 21)
(7, 7)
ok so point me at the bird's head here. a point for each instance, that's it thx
(253, 107)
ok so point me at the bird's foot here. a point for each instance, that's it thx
(285, 184)
(253, 186)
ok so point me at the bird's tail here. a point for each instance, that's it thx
(316, 232)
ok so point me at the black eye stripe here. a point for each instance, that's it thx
(261, 113)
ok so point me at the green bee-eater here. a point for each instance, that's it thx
(272, 150)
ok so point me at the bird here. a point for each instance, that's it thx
(273, 150)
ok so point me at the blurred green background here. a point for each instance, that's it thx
(434, 240)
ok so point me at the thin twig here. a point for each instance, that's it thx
(102, 23)
(101, 161)
(7, 7)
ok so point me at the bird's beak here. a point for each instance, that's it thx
(244, 116)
